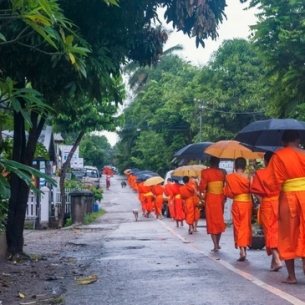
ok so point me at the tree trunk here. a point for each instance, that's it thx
(62, 178)
(23, 152)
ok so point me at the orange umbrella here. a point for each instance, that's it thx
(153, 181)
(231, 150)
(188, 170)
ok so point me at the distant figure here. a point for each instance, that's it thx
(108, 181)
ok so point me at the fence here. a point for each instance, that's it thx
(31, 210)
(50, 204)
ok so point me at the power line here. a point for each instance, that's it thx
(231, 112)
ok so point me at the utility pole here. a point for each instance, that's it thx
(200, 107)
(200, 124)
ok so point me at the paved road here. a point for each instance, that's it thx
(152, 262)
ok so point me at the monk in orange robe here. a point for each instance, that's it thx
(170, 198)
(157, 190)
(148, 199)
(286, 174)
(212, 183)
(188, 194)
(178, 204)
(237, 187)
(197, 200)
(141, 196)
(268, 213)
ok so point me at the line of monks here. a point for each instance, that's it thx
(279, 187)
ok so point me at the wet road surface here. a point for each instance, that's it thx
(153, 262)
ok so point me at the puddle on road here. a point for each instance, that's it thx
(133, 247)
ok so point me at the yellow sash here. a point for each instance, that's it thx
(148, 194)
(270, 198)
(177, 196)
(215, 187)
(294, 185)
(242, 197)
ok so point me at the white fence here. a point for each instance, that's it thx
(50, 204)
(31, 210)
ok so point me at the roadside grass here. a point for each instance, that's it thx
(89, 218)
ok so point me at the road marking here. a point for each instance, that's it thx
(286, 296)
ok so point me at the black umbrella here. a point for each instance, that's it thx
(262, 148)
(144, 176)
(269, 132)
(193, 151)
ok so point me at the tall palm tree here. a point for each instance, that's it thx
(139, 76)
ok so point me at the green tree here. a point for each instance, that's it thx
(279, 39)
(232, 89)
(113, 35)
(95, 150)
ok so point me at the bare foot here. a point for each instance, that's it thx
(215, 250)
(190, 231)
(276, 267)
(195, 230)
(181, 223)
(289, 281)
(242, 259)
(161, 217)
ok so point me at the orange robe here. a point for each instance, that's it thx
(196, 201)
(214, 199)
(170, 195)
(141, 195)
(286, 164)
(238, 188)
(268, 210)
(178, 204)
(187, 192)
(148, 198)
(158, 192)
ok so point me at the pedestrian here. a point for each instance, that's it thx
(188, 195)
(108, 176)
(286, 174)
(268, 212)
(197, 199)
(170, 198)
(157, 190)
(141, 198)
(178, 204)
(237, 187)
(212, 183)
(148, 200)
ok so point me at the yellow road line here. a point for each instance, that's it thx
(286, 296)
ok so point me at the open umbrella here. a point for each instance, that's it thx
(262, 148)
(269, 132)
(144, 176)
(153, 181)
(231, 150)
(193, 151)
(188, 170)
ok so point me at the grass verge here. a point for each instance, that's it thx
(89, 218)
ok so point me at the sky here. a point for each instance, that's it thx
(236, 26)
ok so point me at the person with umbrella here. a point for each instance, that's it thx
(237, 187)
(286, 174)
(268, 212)
(212, 183)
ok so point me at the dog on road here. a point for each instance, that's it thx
(123, 184)
(135, 213)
